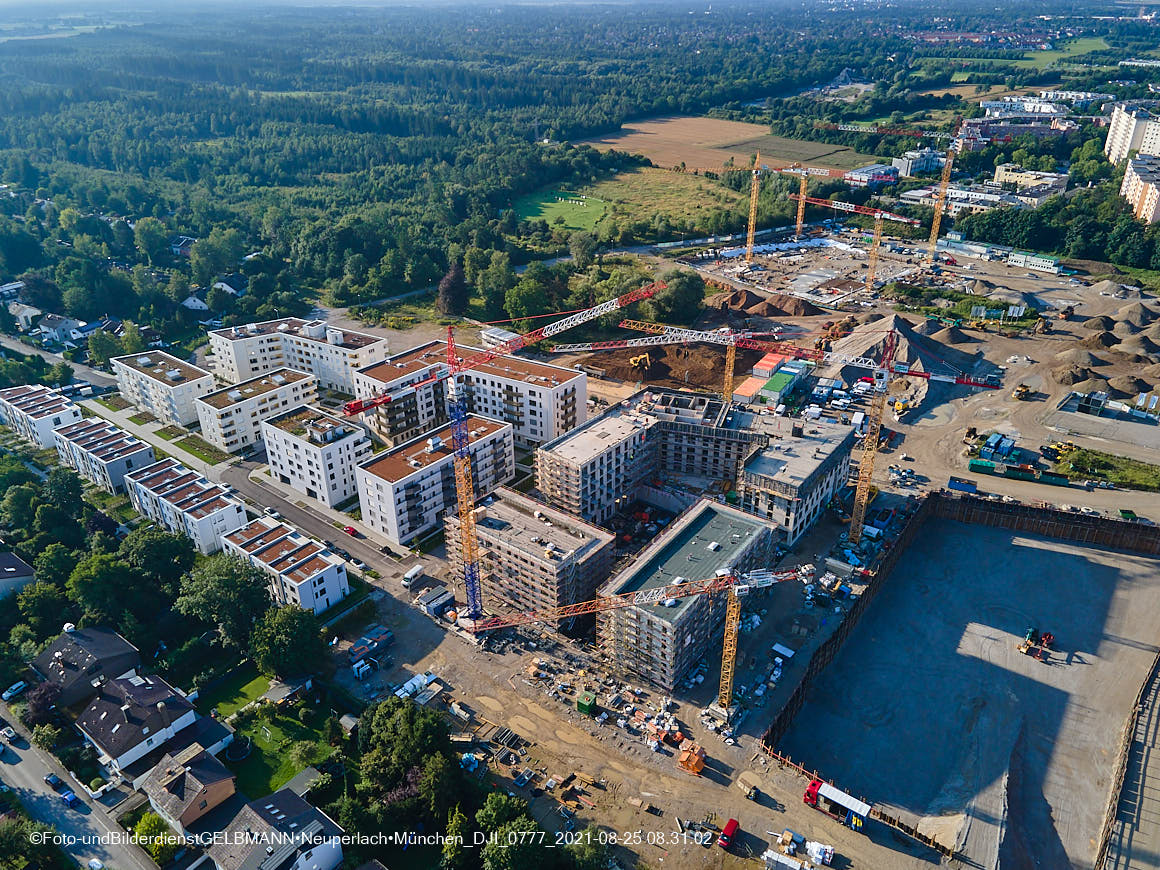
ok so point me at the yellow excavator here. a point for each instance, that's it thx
(643, 361)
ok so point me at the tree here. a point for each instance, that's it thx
(47, 737)
(131, 340)
(498, 810)
(63, 489)
(18, 507)
(681, 300)
(452, 294)
(103, 586)
(495, 282)
(287, 641)
(103, 346)
(588, 852)
(225, 592)
(458, 834)
(582, 246)
(158, 555)
(513, 849)
(41, 701)
(158, 840)
(44, 607)
(151, 238)
(55, 563)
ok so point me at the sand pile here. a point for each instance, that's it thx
(1124, 329)
(1153, 331)
(738, 299)
(1103, 323)
(1080, 357)
(981, 287)
(1015, 297)
(1109, 287)
(1091, 385)
(1152, 371)
(1137, 314)
(678, 366)
(1068, 375)
(1140, 344)
(1100, 339)
(952, 335)
(1129, 385)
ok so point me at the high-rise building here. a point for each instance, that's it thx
(1132, 128)
(1141, 187)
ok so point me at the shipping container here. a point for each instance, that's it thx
(961, 484)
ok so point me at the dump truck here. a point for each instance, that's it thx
(1021, 392)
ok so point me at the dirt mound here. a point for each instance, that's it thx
(1080, 357)
(1138, 314)
(1152, 371)
(1139, 344)
(872, 317)
(952, 335)
(678, 366)
(981, 288)
(1124, 328)
(1103, 323)
(1153, 331)
(1129, 385)
(765, 309)
(1100, 339)
(1091, 385)
(1068, 375)
(1015, 297)
(738, 299)
(795, 307)
(1109, 287)
(1135, 359)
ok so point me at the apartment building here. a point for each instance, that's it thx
(660, 644)
(240, 353)
(231, 418)
(919, 160)
(531, 555)
(597, 469)
(541, 401)
(101, 453)
(1141, 187)
(875, 175)
(35, 412)
(301, 570)
(1132, 128)
(791, 481)
(163, 385)
(1014, 174)
(316, 453)
(185, 503)
(964, 199)
(405, 491)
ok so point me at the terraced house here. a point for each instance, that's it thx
(185, 503)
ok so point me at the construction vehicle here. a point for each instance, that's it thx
(946, 321)
(642, 361)
(1067, 313)
(980, 325)
(847, 809)
(1036, 644)
(1042, 326)
(735, 585)
(1021, 392)
(461, 435)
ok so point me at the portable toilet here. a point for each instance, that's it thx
(586, 703)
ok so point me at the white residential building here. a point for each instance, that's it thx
(316, 454)
(133, 716)
(185, 503)
(919, 160)
(1141, 187)
(1132, 129)
(301, 570)
(1014, 174)
(163, 385)
(330, 354)
(541, 401)
(404, 491)
(231, 418)
(35, 412)
(102, 453)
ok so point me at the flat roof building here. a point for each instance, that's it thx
(533, 556)
(660, 644)
(1141, 187)
(101, 453)
(239, 353)
(231, 418)
(185, 503)
(1132, 128)
(35, 412)
(541, 401)
(316, 453)
(301, 570)
(162, 384)
(404, 491)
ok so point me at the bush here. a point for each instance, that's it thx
(155, 835)
(95, 783)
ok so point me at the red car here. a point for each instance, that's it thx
(727, 834)
(351, 530)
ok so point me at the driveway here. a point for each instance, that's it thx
(88, 824)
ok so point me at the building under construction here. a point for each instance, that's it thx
(531, 555)
(660, 644)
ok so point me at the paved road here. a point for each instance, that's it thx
(82, 371)
(23, 769)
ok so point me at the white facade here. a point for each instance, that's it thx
(541, 401)
(35, 412)
(231, 418)
(301, 570)
(185, 503)
(1141, 187)
(404, 492)
(102, 453)
(1132, 129)
(330, 354)
(316, 454)
(163, 385)
(920, 160)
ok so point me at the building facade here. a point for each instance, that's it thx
(540, 401)
(919, 160)
(1014, 174)
(240, 353)
(102, 453)
(1141, 187)
(231, 418)
(531, 555)
(163, 385)
(316, 453)
(301, 571)
(35, 412)
(131, 717)
(185, 503)
(405, 491)
(1132, 128)
(874, 175)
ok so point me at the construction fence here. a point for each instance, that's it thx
(1031, 519)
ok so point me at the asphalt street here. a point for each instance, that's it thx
(82, 372)
(23, 769)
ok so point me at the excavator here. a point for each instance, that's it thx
(641, 361)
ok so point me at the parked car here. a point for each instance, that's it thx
(273, 514)
(351, 530)
(8, 734)
(13, 690)
(53, 781)
(359, 563)
(70, 799)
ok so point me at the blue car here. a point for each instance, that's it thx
(70, 799)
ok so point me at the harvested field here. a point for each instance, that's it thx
(710, 142)
(672, 365)
(1017, 753)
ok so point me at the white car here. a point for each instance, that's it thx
(13, 690)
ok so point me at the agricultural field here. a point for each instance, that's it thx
(1067, 50)
(680, 197)
(710, 142)
(578, 211)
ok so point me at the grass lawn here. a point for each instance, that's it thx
(577, 211)
(113, 402)
(1120, 470)
(171, 432)
(235, 691)
(681, 197)
(270, 765)
(1069, 49)
(142, 418)
(202, 449)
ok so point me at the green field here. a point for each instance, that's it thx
(270, 765)
(1122, 471)
(642, 193)
(234, 692)
(573, 211)
(1068, 50)
(202, 449)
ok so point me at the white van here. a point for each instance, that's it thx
(412, 575)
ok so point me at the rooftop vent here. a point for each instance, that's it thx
(235, 395)
(174, 374)
(278, 379)
(144, 361)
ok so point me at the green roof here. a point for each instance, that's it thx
(778, 383)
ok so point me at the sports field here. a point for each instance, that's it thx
(708, 143)
(578, 211)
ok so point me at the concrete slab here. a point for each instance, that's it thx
(930, 709)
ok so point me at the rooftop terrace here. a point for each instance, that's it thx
(427, 450)
(435, 353)
(310, 330)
